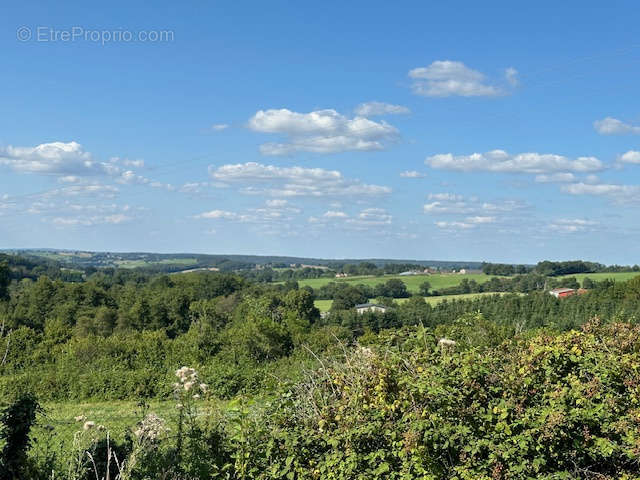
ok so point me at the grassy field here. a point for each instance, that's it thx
(146, 263)
(57, 429)
(437, 281)
(598, 277)
(325, 305)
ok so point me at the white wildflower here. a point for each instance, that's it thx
(196, 396)
(88, 425)
(80, 418)
(204, 387)
(151, 428)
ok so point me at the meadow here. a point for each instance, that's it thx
(325, 305)
(413, 282)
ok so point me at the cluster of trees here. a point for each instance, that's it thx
(503, 269)
(346, 295)
(102, 337)
(554, 269)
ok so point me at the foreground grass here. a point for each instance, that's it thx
(57, 428)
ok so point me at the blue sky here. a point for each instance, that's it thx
(453, 131)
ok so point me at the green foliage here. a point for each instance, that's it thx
(554, 406)
(16, 422)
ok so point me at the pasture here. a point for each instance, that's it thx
(598, 277)
(325, 305)
(437, 281)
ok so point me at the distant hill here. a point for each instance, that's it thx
(182, 261)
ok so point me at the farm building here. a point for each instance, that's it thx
(567, 292)
(370, 307)
(562, 292)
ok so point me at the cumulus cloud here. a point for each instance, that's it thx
(372, 109)
(615, 192)
(613, 126)
(70, 162)
(503, 162)
(56, 158)
(277, 181)
(632, 156)
(321, 131)
(446, 78)
(412, 174)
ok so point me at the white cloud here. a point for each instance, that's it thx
(501, 161)
(556, 178)
(218, 214)
(218, 127)
(93, 190)
(613, 126)
(450, 203)
(321, 131)
(615, 192)
(371, 109)
(277, 203)
(126, 162)
(468, 223)
(478, 220)
(511, 75)
(371, 217)
(445, 78)
(454, 225)
(275, 212)
(335, 214)
(572, 225)
(56, 158)
(69, 179)
(194, 187)
(259, 179)
(90, 221)
(70, 162)
(632, 156)
(412, 174)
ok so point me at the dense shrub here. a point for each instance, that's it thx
(554, 406)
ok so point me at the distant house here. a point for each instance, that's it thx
(341, 275)
(370, 307)
(462, 271)
(562, 292)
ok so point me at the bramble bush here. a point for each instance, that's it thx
(550, 407)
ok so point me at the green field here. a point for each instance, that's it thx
(598, 277)
(118, 417)
(437, 281)
(325, 305)
(146, 263)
